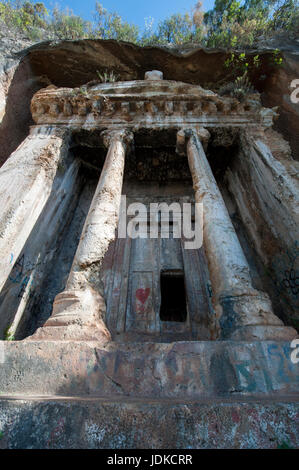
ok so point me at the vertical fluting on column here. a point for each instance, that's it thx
(26, 181)
(79, 311)
(243, 312)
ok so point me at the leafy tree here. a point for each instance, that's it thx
(175, 30)
(24, 16)
(198, 15)
(234, 23)
(66, 25)
(286, 16)
(178, 29)
(230, 24)
(36, 14)
(111, 26)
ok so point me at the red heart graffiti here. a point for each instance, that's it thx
(142, 294)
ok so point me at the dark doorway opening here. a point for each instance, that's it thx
(173, 296)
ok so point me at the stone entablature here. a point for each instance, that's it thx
(148, 103)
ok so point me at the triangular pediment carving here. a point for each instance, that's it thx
(149, 89)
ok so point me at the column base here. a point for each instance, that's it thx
(76, 316)
(71, 333)
(264, 333)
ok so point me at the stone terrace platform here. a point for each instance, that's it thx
(151, 395)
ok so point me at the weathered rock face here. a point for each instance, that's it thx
(112, 424)
(42, 189)
(277, 89)
(270, 217)
(13, 76)
(195, 395)
(10, 45)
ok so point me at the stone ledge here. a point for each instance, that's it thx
(182, 370)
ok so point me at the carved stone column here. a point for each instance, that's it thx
(79, 311)
(243, 312)
(26, 181)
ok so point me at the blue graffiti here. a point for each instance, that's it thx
(291, 281)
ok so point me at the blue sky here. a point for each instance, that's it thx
(133, 11)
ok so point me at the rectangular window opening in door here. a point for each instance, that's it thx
(173, 296)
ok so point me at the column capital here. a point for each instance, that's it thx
(202, 134)
(123, 135)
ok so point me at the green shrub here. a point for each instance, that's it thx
(107, 76)
(239, 88)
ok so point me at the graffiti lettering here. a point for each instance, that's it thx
(245, 376)
(21, 274)
(17, 271)
(284, 266)
(280, 364)
(57, 432)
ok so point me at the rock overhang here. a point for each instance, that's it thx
(74, 63)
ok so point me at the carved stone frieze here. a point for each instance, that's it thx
(146, 103)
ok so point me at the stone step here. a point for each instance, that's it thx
(145, 424)
(182, 370)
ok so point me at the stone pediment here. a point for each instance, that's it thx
(145, 103)
(151, 89)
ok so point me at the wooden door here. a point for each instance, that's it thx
(131, 274)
